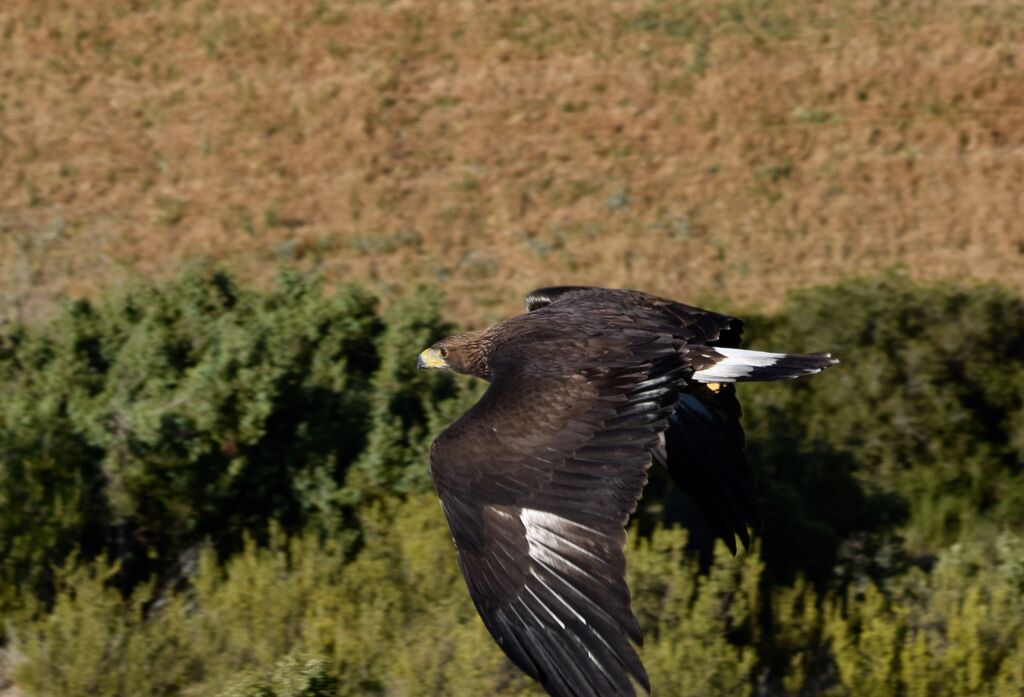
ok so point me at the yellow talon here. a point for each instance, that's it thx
(714, 386)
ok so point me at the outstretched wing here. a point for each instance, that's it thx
(537, 482)
(702, 448)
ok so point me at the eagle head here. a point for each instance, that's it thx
(462, 353)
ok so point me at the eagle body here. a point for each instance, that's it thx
(537, 480)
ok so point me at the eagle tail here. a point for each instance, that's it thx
(737, 365)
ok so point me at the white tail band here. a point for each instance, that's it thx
(738, 363)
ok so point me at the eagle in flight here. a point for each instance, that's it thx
(538, 478)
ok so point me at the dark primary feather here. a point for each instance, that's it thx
(703, 453)
(537, 480)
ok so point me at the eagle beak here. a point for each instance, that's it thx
(431, 358)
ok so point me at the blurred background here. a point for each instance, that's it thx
(228, 228)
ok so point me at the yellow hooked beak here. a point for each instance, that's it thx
(431, 358)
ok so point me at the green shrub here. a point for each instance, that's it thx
(293, 676)
(164, 415)
(956, 631)
(393, 619)
(918, 431)
(305, 615)
(228, 484)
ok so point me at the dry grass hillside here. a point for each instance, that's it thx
(701, 149)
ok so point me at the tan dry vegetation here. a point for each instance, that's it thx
(729, 149)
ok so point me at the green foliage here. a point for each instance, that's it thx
(293, 676)
(298, 616)
(956, 631)
(395, 619)
(692, 621)
(140, 425)
(92, 633)
(404, 403)
(230, 485)
(382, 622)
(918, 431)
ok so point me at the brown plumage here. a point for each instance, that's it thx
(538, 479)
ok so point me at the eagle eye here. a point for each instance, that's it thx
(443, 352)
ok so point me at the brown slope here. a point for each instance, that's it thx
(734, 149)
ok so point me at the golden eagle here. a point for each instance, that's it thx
(539, 477)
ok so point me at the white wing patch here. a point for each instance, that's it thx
(548, 535)
(738, 363)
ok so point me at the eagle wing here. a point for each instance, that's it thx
(702, 448)
(537, 482)
(691, 324)
(703, 453)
